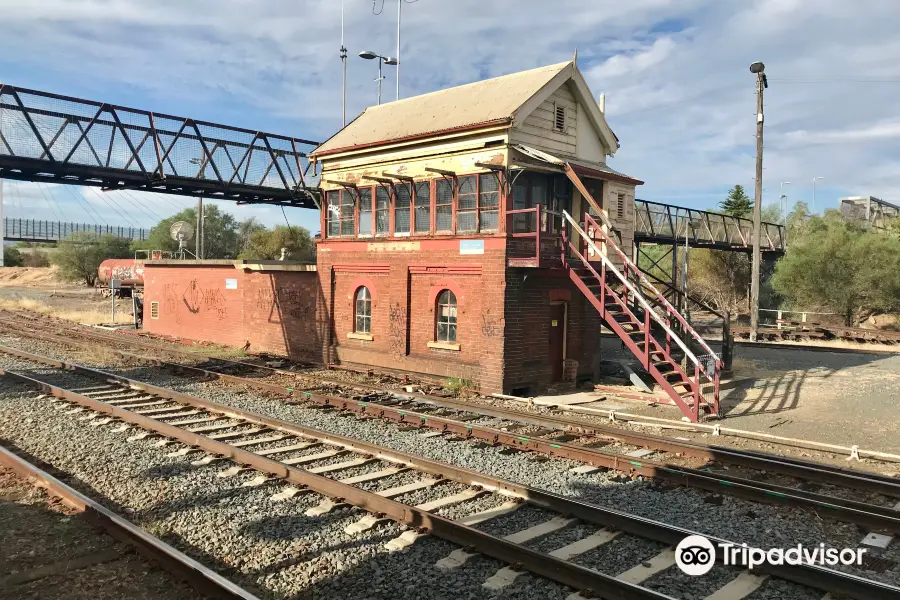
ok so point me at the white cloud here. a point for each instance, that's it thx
(633, 64)
(680, 96)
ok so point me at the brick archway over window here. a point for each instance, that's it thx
(359, 282)
(558, 295)
(446, 285)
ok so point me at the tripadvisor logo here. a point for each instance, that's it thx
(696, 555)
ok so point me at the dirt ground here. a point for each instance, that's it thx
(48, 551)
(837, 395)
(40, 289)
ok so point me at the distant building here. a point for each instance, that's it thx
(872, 210)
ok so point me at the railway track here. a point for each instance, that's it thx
(317, 462)
(204, 580)
(821, 488)
(817, 332)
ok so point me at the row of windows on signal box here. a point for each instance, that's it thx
(444, 315)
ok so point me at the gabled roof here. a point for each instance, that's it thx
(505, 100)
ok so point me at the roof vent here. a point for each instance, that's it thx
(560, 118)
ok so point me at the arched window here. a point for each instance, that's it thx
(363, 311)
(446, 317)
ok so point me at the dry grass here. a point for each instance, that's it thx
(840, 344)
(88, 317)
(31, 277)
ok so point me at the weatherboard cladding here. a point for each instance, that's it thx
(482, 102)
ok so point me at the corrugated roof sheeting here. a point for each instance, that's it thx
(487, 101)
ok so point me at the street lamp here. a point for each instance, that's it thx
(387, 60)
(815, 179)
(783, 201)
(762, 83)
(200, 240)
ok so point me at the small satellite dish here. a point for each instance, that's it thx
(181, 231)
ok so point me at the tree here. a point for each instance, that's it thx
(246, 229)
(835, 265)
(720, 278)
(12, 257)
(79, 256)
(221, 239)
(738, 203)
(266, 244)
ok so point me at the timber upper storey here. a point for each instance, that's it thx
(484, 159)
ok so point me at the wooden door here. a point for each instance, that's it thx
(557, 339)
(595, 188)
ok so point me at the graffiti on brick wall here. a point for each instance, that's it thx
(170, 301)
(491, 326)
(285, 301)
(397, 330)
(197, 299)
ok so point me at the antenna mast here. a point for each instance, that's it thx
(399, 6)
(343, 72)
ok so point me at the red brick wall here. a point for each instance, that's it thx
(274, 311)
(405, 278)
(194, 304)
(503, 314)
(528, 296)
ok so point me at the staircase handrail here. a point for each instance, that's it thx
(638, 296)
(669, 308)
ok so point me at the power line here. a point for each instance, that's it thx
(57, 213)
(373, 7)
(842, 80)
(171, 201)
(87, 203)
(50, 189)
(117, 211)
(142, 205)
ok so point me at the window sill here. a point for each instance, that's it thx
(443, 346)
(360, 336)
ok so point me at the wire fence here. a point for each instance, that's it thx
(35, 230)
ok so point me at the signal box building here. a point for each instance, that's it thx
(440, 248)
(442, 245)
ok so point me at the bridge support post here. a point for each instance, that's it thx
(2, 225)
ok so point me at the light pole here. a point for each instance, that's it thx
(783, 201)
(387, 60)
(399, 6)
(199, 241)
(762, 83)
(343, 55)
(815, 179)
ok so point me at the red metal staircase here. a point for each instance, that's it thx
(663, 341)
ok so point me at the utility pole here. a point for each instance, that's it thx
(758, 69)
(399, 6)
(198, 245)
(343, 72)
(2, 225)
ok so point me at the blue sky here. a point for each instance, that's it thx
(679, 94)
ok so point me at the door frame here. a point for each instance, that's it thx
(565, 336)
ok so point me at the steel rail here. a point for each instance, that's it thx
(814, 576)
(200, 577)
(877, 517)
(793, 467)
(808, 470)
(558, 570)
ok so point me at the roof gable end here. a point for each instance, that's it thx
(583, 96)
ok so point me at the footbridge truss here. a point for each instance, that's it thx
(60, 139)
(658, 223)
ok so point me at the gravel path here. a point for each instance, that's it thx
(734, 519)
(40, 538)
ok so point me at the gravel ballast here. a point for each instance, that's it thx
(764, 525)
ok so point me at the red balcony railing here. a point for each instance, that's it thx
(535, 241)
